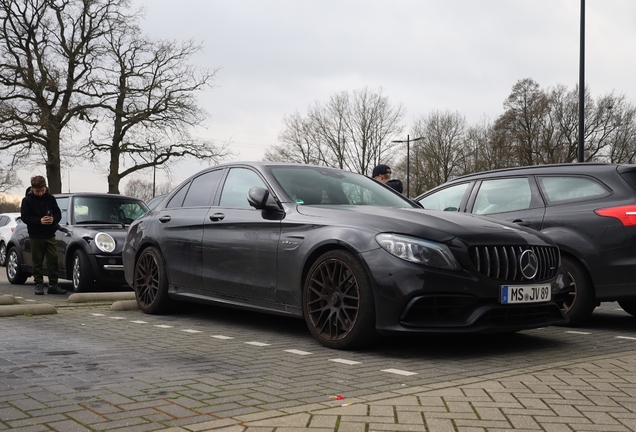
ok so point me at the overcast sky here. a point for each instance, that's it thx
(277, 57)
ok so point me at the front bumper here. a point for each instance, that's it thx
(108, 268)
(411, 298)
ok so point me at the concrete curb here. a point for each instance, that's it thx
(94, 297)
(27, 309)
(125, 305)
(6, 299)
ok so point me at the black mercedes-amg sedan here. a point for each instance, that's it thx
(350, 255)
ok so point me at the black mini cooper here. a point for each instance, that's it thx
(89, 243)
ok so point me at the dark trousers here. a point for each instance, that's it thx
(39, 249)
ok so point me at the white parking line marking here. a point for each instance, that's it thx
(191, 331)
(399, 372)
(299, 352)
(139, 322)
(578, 332)
(29, 300)
(222, 337)
(162, 326)
(97, 314)
(259, 344)
(345, 361)
(117, 318)
(626, 337)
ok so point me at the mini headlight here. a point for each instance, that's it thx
(418, 251)
(105, 242)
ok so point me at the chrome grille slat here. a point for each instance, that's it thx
(502, 262)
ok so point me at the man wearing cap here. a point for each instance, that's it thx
(382, 173)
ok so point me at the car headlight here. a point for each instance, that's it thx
(105, 242)
(418, 251)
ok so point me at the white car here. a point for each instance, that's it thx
(8, 221)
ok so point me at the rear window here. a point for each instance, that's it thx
(571, 188)
(628, 172)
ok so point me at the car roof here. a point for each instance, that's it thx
(93, 194)
(572, 168)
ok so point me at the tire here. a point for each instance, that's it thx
(3, 254)
(15, 274)
(580, 302)
(150, 282)
(628, 306)
(82, 275)
(338, 303)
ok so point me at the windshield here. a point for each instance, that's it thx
(118, 210)
(327, 186)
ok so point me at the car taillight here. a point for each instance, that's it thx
(12, 229)
(625, 214)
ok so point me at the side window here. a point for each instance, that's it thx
(239, 181)
(4, 220)
(202, 189)
(447, 199)
(503, 195)
(62, 203)
(177, 199)
(559, 189)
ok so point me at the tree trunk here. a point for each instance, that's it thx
(113, 173)
(53, 171)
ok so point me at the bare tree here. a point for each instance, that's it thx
(297, 142)
(47, 52)
(441, 154)
(8, 180)
(523, 120)
(350, 131)
(142, 189)
(147, 90)
(542, 125)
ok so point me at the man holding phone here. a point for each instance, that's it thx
(41, 214)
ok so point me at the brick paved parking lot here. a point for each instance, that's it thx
(89, 368)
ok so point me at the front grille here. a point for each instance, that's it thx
(502, 262)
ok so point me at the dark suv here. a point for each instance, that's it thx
(588, 210)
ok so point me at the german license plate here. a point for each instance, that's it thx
(525, 293)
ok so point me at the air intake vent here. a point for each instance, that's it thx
(504, 262)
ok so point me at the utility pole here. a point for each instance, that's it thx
(408, 161)
(581, 142)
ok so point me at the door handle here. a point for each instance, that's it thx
(217, 217)
(521, 222)
(164, 219)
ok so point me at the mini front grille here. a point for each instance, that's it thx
(503, 262)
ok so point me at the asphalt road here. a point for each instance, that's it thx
(89, 368)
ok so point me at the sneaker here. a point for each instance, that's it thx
(39, 289)
(56, 289)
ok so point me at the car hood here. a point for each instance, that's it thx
(117, 232)
(430, 224)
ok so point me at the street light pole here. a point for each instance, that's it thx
(408, 161)
(581, 144)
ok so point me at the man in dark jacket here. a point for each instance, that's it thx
(41, 214)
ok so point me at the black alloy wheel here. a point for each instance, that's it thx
(81, 272)
(150, 282)
(15, 275)
(338, 302)
(580, 300)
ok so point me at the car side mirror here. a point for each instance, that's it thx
(261, 199)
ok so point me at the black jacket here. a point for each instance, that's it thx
(34, 208)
